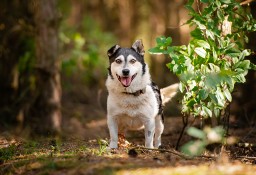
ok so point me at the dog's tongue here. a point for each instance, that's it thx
(126, 81)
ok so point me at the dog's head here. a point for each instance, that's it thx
(126, 64)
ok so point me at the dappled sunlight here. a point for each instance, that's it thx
(194, 170)
(53, 96)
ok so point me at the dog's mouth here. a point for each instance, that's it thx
(126, 80)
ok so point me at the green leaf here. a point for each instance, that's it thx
(156, 50)
(204, 1)
(182, 87)
(245, 64)
(200, 51)
(203, 94)
(210, 34)
(228, 95)
(203, 44)
(214, 54)
(197, 33)
(212, 80)
(207, 111)
(216, 112)
(190, 2)
(220, 97)
(225, 1)
(194, 148)
(214, 99)
(252, 66)
(159, 40)
(240, 78)
(214, 67)
(191, 103)
(197, 133)
(168, 41)
(244, 54)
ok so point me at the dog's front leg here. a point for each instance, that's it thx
(113, 131)
(149, 133)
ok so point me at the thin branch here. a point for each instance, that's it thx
(185, 124)
(175, 153)
(185, 23)
(198, 7)
(245, 157)
(164, 150)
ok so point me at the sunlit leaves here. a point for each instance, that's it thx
(197, 133)
(162, 45)
(228, 95)
(202, 43)
(210, 65)
(200, 51)
(203, 94)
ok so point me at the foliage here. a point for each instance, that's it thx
(214, 60)
(102, 146)
(84, 49)
(204, 138)
(7, 153)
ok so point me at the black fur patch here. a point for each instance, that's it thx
(159, 100)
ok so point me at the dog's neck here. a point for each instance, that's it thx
(136, 93)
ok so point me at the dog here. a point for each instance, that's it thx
(134, 102)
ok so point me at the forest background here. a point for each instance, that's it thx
(53, 62)
(53, 67)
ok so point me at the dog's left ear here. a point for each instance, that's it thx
(138, 47)
(113, 50)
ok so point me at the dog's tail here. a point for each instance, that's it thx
(168, 92)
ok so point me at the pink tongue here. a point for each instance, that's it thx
(126, 81)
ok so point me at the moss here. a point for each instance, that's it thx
(7, 153)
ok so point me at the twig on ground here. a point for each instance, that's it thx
(245, 157)
(164, 150)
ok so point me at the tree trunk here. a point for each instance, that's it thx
(45, 110)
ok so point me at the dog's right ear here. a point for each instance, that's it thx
(113, 50)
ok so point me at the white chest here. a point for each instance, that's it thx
(142, 106)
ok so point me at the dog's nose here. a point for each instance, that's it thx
(126, 72)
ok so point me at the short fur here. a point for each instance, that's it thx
(134, 101)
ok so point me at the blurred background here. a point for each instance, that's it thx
(53, 61)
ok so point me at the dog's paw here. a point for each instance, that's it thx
(113, 145)
(112, 150)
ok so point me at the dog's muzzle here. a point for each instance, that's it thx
(126, 80)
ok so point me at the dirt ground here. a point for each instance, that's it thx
(83, 150)
(82, 147)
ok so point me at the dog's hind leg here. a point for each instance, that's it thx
(158, 131)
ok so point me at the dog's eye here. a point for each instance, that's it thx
(132, 61)
(118, 61)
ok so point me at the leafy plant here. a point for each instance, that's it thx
(204, 138)
(214, 60)
(102, 146)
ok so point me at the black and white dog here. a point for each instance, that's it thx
(134, 101)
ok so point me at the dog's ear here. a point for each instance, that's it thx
(138, 47)
(113, 50)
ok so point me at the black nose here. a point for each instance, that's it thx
(126, 72)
